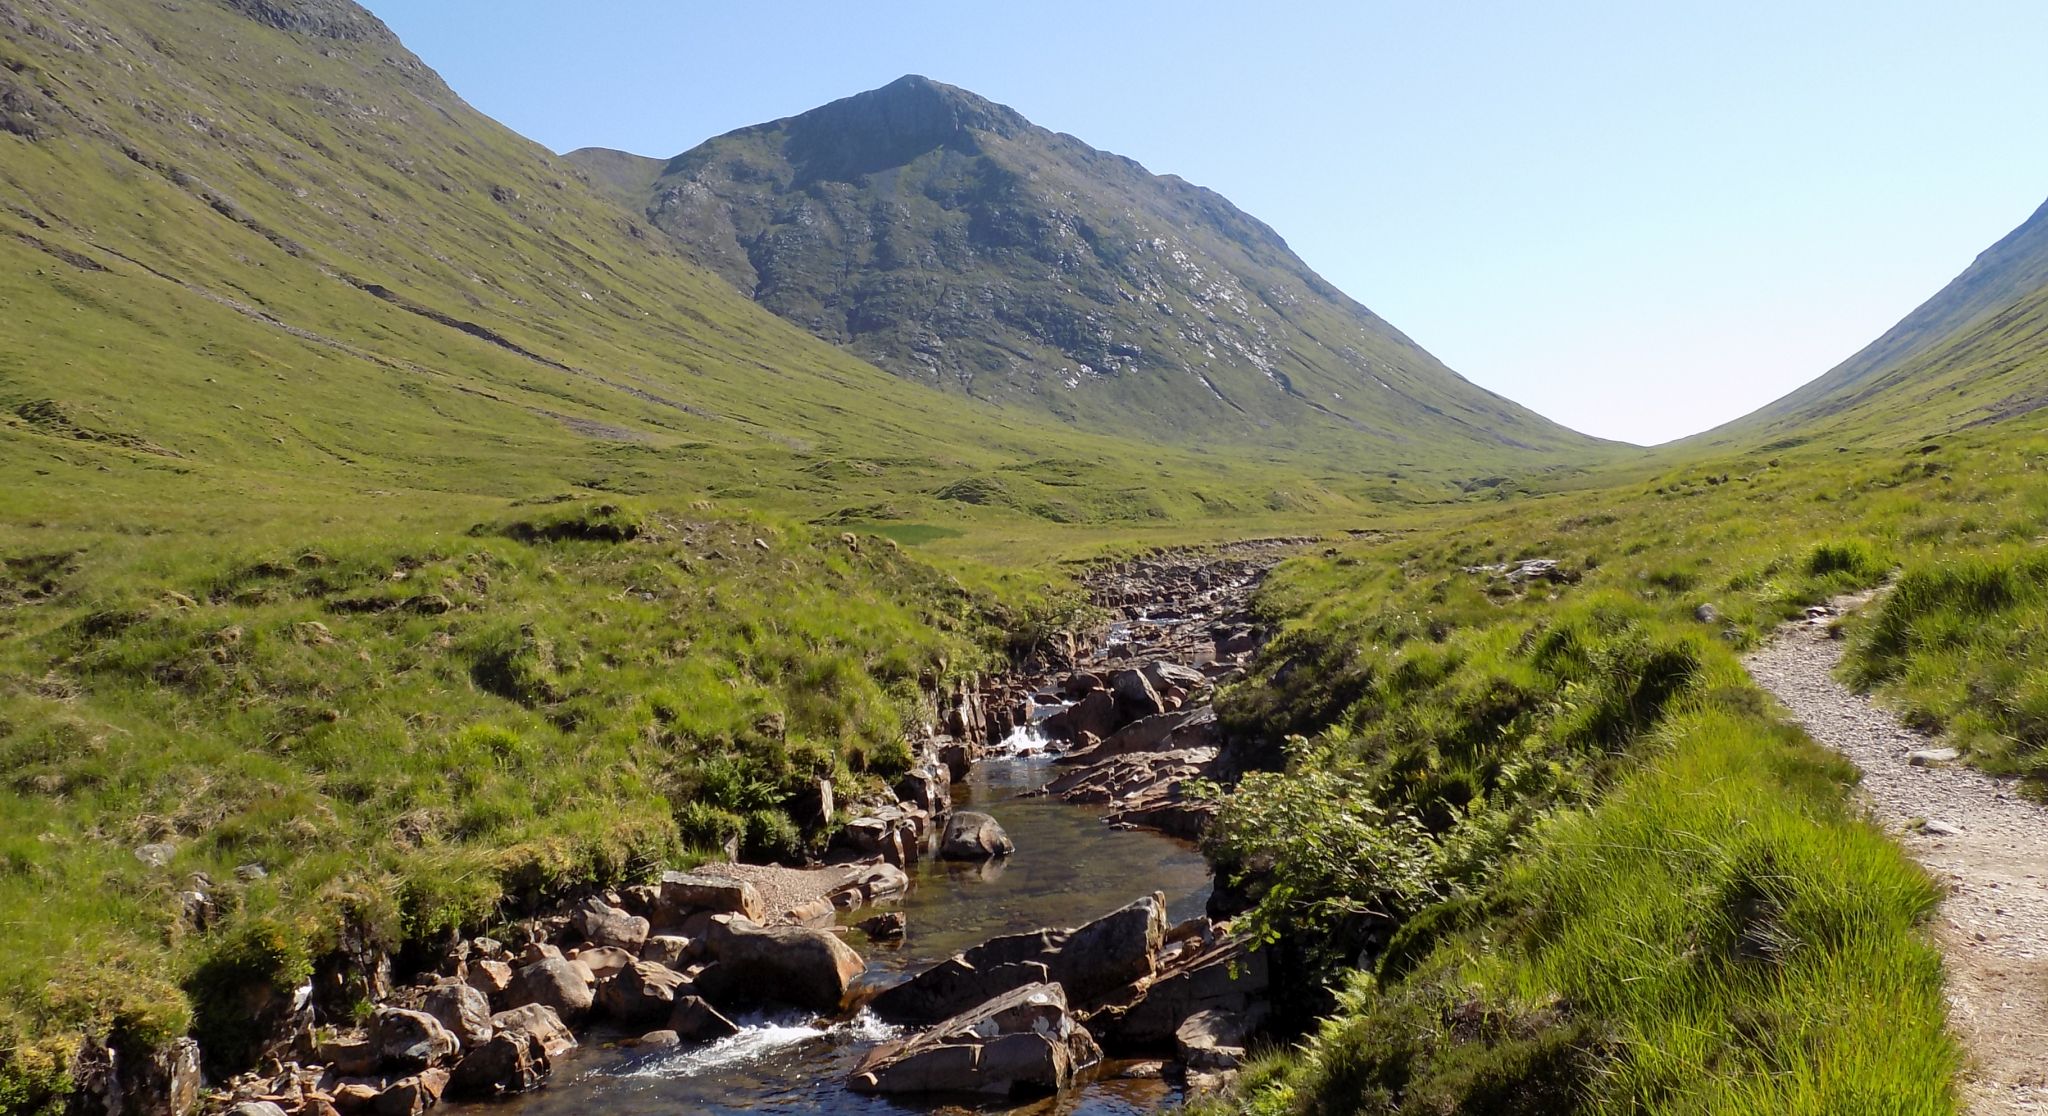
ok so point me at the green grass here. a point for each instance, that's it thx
(1962, 645)
(1582, 865)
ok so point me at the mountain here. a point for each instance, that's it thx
(1976, 353)
(256, 246)
(953, 242)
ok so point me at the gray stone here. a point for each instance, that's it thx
(411, 1040)
(540, 1021)
(974, 836)
(686, 893)
(1212, 1040)
(1932, 757)
(1026, 1041)
(668, 949)
(602, 924)
(795, 965)
(553, 983)
(641, 992)
(463, 1010)
(694, 1020)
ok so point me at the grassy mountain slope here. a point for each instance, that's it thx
(255, 237)
(1976, 353)
(957, 244)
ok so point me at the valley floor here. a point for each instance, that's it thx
(1982, 841)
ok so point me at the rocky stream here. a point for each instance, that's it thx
(1027, 926)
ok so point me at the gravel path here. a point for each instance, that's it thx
(1985, 844)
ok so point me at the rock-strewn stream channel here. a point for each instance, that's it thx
(1027, 924)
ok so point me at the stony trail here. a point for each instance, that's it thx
(1981, 840)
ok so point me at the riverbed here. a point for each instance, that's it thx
(1068, 868)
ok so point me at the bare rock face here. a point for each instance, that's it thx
(974, 836)
(1026, 1041)
(795, 965)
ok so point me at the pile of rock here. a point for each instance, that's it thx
(674, 957)
(1025, 1012)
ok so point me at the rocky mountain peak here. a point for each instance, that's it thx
(891, 126)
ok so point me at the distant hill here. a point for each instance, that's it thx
(955, 243)
(1975, 353)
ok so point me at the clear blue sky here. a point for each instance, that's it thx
(1641, 219)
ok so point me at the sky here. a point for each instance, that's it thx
(1640, 219)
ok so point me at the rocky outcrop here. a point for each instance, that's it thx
(1025, 1041)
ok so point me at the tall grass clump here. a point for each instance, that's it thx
(1963, 645)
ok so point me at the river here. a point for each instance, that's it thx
(1068, 868)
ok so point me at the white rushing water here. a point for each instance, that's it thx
(763, 1037)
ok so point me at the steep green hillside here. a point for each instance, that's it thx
(248, 238)
(1974, 354)
(957, 244)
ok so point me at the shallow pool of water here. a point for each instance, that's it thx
(1068, 868)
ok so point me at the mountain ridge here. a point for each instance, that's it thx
(948, 239)
(1970, 355)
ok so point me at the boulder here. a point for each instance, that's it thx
(1111, 953)
(349, 1055)
(927, 787)
(603, 961)
(686, 893)
(668, 949)
(514, 1060)
(1183, 728)
(1166, 675)
(413, 1095)
(795, 965)
(411, 1040)
(642, 992)
(658, 1040)
(1026, 1041)
(973, 836)
(1134, 696)
(1212, 1041)
(539, 951)
(694, 1020)
(491, 978)
(553, 983)
(958, 757)
(1100, 961)
(541, 1022)
(1223, 976)
(1095, 713)
(463, 1010)
(602, 924)
(890, 927)
(256, 1108)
